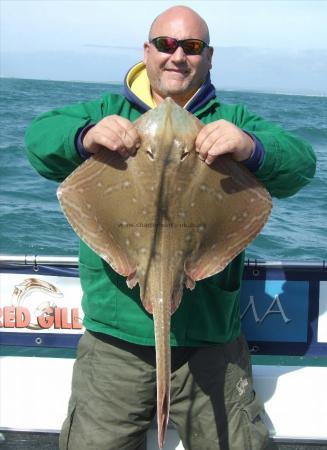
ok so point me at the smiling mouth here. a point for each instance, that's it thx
(179, 72)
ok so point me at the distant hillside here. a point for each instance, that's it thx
(234, 68)
(271, 70)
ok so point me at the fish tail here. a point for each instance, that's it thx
(162, 416)
(161, 315)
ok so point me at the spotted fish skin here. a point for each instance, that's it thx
(164, 219)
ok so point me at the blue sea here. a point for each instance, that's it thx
(31, 222)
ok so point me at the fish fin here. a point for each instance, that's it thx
(96, 199)
(147, 303)
(132, 280)
(230, 207)
(189, 282)
(205, 268)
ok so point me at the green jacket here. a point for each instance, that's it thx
(211, 312)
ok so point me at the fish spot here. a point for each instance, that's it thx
(192, 204)
(181, 214)
(201, 227)
(88, 205)
(179, 189)
(145, 212)
(203, 188)
(137, 234)
(188, 237)
(99, 184)
(124, 223)
(234, 218)
(126, 183)
(127, 242)
(134, 200)
(109, 189)
(245, 214)
(143, 250)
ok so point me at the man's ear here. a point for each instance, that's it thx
(210, 55)
(146, 48)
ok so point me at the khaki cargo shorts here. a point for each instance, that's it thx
(213, 405)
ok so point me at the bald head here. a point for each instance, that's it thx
(178, 74)
(182, 15)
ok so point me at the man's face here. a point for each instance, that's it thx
(176, 75)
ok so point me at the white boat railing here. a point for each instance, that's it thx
(49, 260)
(34, 260)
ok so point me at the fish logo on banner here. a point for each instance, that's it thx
(36, 304)
(43, 309)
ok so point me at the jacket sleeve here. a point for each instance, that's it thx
(289, 162)
(50, 138)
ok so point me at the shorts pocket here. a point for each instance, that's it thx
(256, 436)
(66, 427)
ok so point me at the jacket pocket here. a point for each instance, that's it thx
(99, 301)
(212, 311)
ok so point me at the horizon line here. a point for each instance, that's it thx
(222, 88)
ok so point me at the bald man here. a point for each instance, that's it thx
(113, 401)
(178, 76)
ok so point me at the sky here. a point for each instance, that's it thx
(267, 45)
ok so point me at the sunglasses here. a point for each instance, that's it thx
(169, 45)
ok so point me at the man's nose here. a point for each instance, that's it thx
(178, 54)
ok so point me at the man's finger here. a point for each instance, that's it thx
(128, 133)
(205, 132)
(222, 147)
(117, 137)
(110, 140)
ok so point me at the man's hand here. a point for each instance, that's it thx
(114, 133)
(220, 137)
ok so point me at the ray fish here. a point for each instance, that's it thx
(164, 219)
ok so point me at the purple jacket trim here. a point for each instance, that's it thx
(254, 162)
(84, 154)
